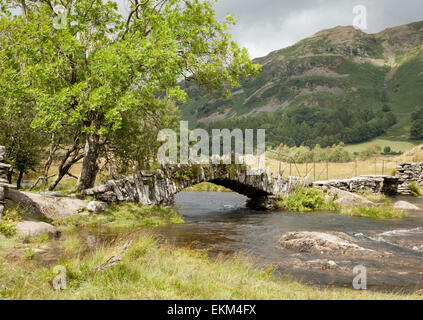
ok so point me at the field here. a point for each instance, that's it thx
(325, 171)
(396, 146)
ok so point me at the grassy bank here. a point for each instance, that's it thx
(311, 199)
(122, 216)
(151, 272)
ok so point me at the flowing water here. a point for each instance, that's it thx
(220, 223)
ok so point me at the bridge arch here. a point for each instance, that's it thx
(160, 186)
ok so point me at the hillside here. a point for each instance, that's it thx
(339, 71)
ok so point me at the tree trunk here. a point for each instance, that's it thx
(89, 164)
(19, 181)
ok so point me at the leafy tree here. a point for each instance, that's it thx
(103, 66)
(417, 114)
(416, 131)
(387, 150)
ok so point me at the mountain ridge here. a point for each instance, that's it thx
(336, 67)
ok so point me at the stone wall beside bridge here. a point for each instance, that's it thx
(389, 185)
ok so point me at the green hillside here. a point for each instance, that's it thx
(339, 85)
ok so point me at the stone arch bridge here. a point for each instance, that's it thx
(159, 187)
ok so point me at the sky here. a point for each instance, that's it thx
(268, 25)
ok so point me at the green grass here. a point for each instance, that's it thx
(384, 212)
(123, 216)
(305, 200)
(395, 145)
(207, 187)
(8, 222)
(151, 272)
(374, 197)
(415, 189)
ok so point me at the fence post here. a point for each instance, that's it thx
(314, 171)
(383, 167)
(290, 168)
(327, 170)
(356, 168)
(375, 166)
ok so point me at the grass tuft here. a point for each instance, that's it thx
(385, 212)
(415, 189)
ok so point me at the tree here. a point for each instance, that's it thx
(102, 66)
(416, 131)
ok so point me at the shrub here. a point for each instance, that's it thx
(303, 200)
(415, 189)
(9, 220)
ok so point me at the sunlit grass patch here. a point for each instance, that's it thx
(385, 211)
(374, 197)
(207, 187)
(126, 215)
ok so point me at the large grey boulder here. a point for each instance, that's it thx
(38, 205)
(31, 229)
(319, 242)
(346, 198)
(404, 205)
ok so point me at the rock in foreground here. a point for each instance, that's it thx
(31, 229)
(97, 206)
(318, 242)
(38, 205)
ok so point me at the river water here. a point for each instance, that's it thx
(222, 224)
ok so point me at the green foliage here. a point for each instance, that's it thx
(370, 152)
(416, 130)
(415, 189)
(309, 126)
(303, 154)
(110, 77)
(304, 200)
(8, 222)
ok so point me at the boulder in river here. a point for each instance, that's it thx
(319, 242)
(404, 205)
(346, 198)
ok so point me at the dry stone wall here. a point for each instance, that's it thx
(407, 172)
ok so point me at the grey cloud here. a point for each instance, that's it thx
(267, 25)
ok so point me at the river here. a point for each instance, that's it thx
(222, 224)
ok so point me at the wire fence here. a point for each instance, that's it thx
(316, 171)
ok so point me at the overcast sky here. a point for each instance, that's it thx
(267, 25)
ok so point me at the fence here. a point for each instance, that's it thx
(332, 170)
